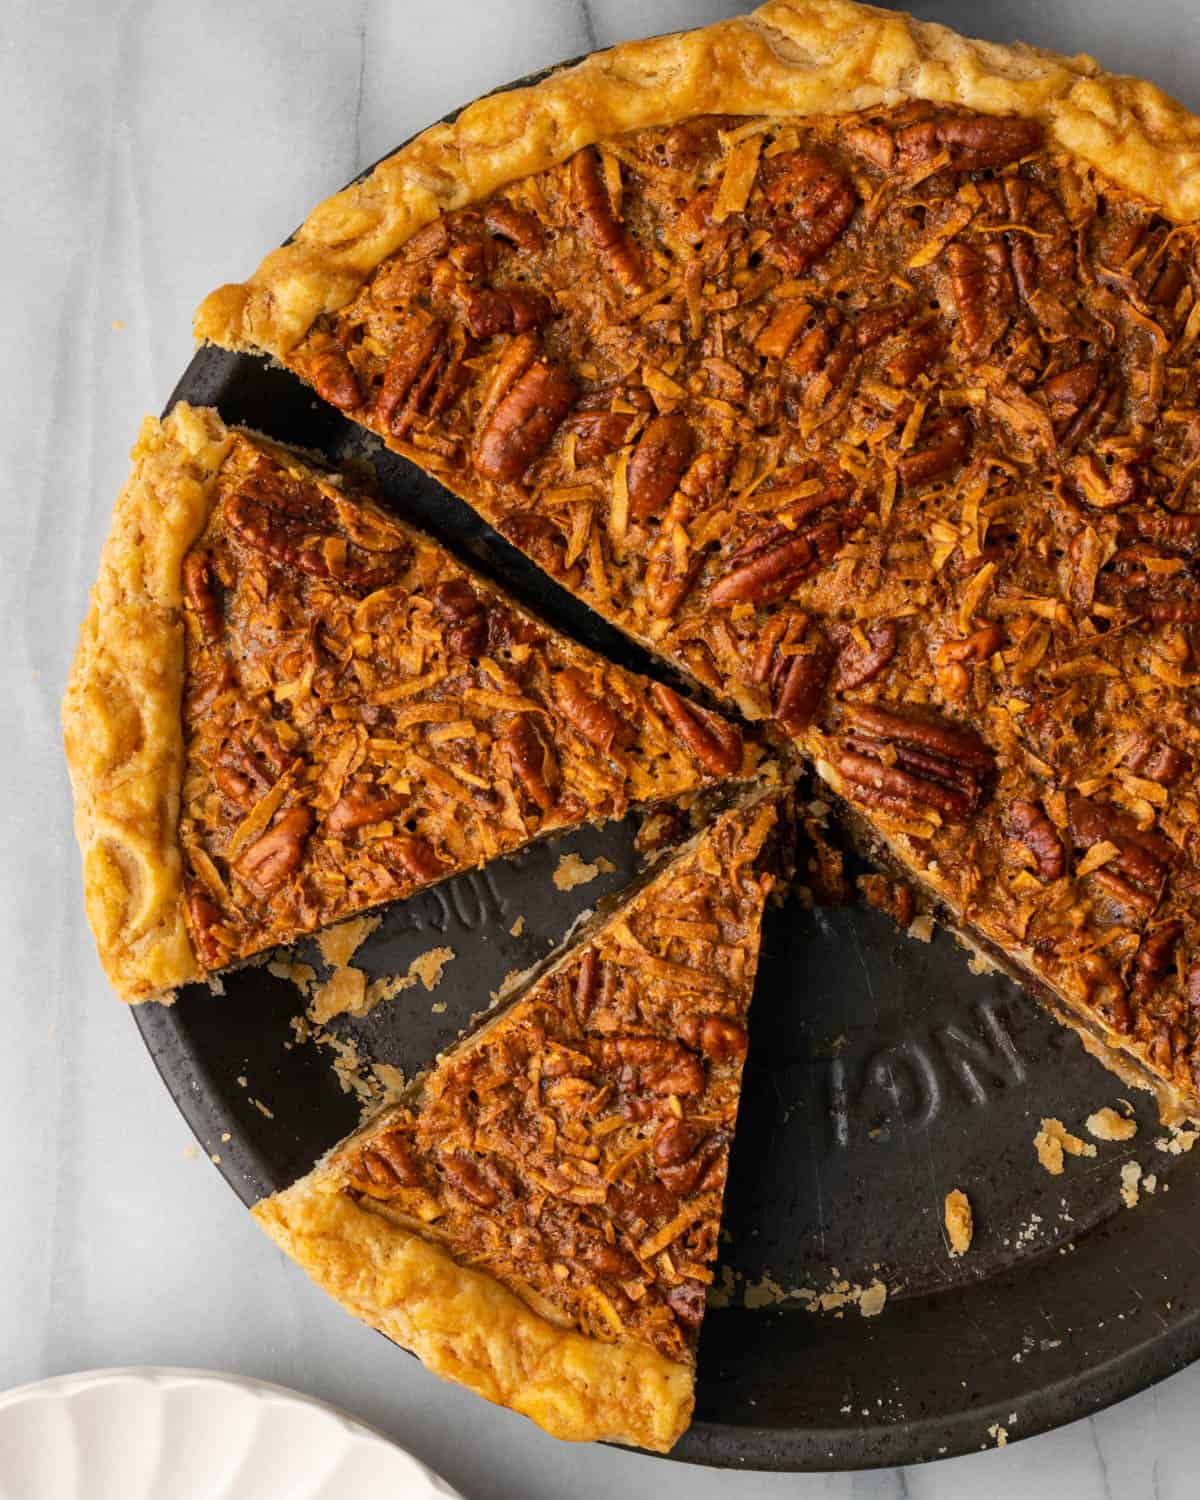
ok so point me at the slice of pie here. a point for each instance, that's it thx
(287, 707)
(538, 1217)
(851, 365)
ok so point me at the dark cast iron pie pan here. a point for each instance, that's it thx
(882, 1073)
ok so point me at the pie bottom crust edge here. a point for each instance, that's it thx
(466, 1327)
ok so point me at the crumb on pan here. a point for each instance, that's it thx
(1052, 1140)
(1108, 1125)
(959, 1220)
(429, 966)
(339, 944)
(1131, 1176)
(517, 928)
(573, 871)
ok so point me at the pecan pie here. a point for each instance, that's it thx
(288, 706)
(538, 1218)
(851, 366)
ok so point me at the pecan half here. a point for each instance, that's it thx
(515, 225)
(893, 789)
(523, 422)
(360, 806)
(1155, 958)
(675, 1142)
(971, 142)
(1034, 829)
(716, 744)
(947, 451)
(811, 203)
(659, 460)
(949, 741)
(618, 249)
(921, 351)
(982, 291)
(722, 1040)
(533, 760)
(492, 310)
(857, 666)
(1156, 760)
(763, 572)
(653, 1065)
(203, 917)
(295, 525)
(483, 1181)
(277, 854)
(200, 589)
(413, 854)
(895, 761)
(587, 715)
(411, 371)
(1142, 856)
(1073, 388)
(326, 368)
(598, 429)
(388, 1162)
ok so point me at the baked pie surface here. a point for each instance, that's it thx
(877, 415)
(538, 1219)
(347, 714)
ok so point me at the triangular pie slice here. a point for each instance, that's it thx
(538, 1217)
(288, 706)
(852, 366)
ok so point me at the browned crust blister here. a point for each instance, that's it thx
(806, 57)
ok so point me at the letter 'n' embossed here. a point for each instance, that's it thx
(988, 1055)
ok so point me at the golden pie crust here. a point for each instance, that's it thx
(787, 58)
(121, 713)
(537, 1218)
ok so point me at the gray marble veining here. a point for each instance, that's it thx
(153, 148)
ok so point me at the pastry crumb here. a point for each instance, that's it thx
(1180, 1141)
(921, 928)
(243, 1081)
(438, 1008)
(1131, 1175)
(959, 1220)
(343, 993)
(1052, 1140)
(339, 944)
(215, 1158)
(262, 1109)
(391, 1080)
(118, 325)
(1107, 1125)
(573, 871)
(871, 1301)
(517, 928)
(429, 966)
(225, 1136)
(999, 1434)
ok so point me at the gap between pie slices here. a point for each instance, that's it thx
(288, 706)
(850, 365)
(538, 1217)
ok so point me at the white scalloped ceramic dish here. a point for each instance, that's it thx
(162, 1434)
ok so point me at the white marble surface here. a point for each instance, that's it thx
(151, 149)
